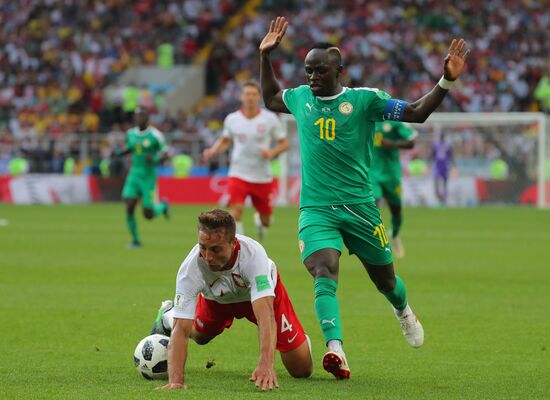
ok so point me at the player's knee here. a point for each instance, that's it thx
(201, 340)
(385, 285)
(303, 371)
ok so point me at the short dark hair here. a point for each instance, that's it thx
(252, 83)
(218, 221)
(333, 50)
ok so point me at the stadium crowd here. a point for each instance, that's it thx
(57, 62)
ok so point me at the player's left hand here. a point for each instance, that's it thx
(266, 154)
(455, 60)
(265, 378)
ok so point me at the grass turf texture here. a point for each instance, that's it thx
(75, 302)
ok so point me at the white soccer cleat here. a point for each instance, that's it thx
(411, 327)
(397, 247)
(335, 362)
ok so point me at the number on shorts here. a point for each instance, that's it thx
(381, 233)
(285, 325)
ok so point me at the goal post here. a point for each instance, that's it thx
(498, 159)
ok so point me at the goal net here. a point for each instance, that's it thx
(497, 159)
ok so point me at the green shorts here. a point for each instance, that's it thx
(140, 187)
(388, 189)
(358, 226)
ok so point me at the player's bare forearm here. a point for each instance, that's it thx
(177, 350)
(421, 109)
(281, 147)
(267, 327)
(271, 91)
(221, 145)
(398, 144)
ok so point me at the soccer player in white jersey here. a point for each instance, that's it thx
(252, 130)
(227, 276)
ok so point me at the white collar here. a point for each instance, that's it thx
(333, 96)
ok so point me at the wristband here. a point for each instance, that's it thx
(445, 84)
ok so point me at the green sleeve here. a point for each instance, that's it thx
(290, 98)
(374, 103)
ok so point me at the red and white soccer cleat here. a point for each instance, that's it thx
(335, 363)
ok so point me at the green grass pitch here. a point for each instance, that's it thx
(75, 302)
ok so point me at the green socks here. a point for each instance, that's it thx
(132, 226)
(396, 223)
(328, 308)
(398, 296)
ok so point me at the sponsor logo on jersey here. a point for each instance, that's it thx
(309, 106)
(346, 108)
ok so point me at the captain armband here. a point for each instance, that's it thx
(395, 110)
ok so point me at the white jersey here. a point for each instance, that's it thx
(250, 136)
(252, 277)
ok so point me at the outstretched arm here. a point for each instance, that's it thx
(264, 374)
(421, 109)
(271, 91)
(219, 147)
(177, 353)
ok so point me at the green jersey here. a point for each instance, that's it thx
(336, 139)
(144, 146)
(386, 164)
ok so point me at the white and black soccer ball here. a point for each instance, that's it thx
(151, 357)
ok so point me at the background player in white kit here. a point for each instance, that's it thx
(227, 276)
(252, 130)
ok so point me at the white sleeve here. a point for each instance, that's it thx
(227, 132)
(188, 286)
(259, 272)
(277, 131)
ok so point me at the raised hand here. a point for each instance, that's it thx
(276, 32)
(455, 60)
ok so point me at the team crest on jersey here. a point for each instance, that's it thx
(260, 128)
(238, 280)
(386, 127)
(146, 143)
(346, 108)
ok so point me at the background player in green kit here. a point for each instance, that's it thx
(389, 138)
(336, 130)
(147, 146)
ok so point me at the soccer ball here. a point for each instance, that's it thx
(151, 357)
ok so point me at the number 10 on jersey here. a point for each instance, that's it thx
(327, 128)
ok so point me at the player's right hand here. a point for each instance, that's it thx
(265, 378)
(276, 32)
(207, 155)
(173, 386)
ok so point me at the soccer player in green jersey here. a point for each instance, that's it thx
(147, 146)
(336, 130)
(389, 138)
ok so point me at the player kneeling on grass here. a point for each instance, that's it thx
(227, 276)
